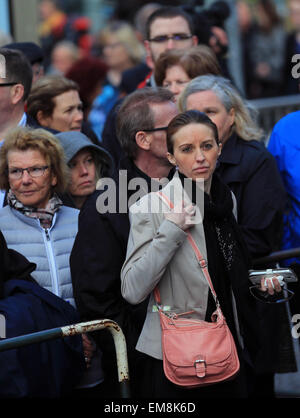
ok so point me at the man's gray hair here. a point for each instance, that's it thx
(135, 114)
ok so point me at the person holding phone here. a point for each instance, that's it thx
(159, 254)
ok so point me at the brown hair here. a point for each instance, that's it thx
(169, 12)
(44, 91)
(187, 118)
(22, 139)
(195, 61)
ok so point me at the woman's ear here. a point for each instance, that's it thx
(220, 148)
(43, 120)
(171, 159)
(232, 116)
(53, 180)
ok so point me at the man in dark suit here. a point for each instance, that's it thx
(100, 247)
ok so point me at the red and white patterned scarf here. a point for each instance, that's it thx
(44, 215)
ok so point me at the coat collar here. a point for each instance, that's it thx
(231, 151)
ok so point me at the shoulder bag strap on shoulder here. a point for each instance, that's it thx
(201, 260)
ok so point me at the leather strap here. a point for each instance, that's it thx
(201, 260)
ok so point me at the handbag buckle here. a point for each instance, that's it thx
(200, 367)
(203, 263)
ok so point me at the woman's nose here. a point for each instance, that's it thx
(79, 115)
(200, 155)
(83, 170)
(175, 88)
(26, 177)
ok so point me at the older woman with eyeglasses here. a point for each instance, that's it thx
(35, 222)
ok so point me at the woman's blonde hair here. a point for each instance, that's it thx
(244, 125)
(23, 139)
(126, 35)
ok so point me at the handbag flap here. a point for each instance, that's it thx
(213, 343)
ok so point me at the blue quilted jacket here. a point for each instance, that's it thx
(48, 249)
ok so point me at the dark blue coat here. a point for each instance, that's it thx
(47, 369)
(251, 173)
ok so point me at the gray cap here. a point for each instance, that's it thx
(74, 141)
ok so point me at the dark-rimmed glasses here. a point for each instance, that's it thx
(17, 173)
(163, 128)
(12, 83)
(177, 37)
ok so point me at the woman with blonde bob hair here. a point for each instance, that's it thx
(46, 144)
(121, 49)
(35, 223)
(244, 164)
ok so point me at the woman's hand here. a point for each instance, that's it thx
(182, 216)
(271, 284)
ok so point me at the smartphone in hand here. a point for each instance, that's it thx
(286, 274)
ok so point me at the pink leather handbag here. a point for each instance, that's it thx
(196, 352)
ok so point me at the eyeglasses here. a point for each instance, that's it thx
(163, 128)
(177, 37)
(12, 83)
(17, 173)
(284, 296)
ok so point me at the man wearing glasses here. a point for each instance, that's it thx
(14, 90)
(100, 246)
(168, 28)
(15, 85)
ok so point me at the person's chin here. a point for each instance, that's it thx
(87, 188)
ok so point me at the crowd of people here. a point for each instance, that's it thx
(94, 131)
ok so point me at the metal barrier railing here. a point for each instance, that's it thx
(277, 256)
(81, 328)
(271, 110)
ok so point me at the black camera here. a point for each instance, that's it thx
(205, 19)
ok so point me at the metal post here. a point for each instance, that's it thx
(81, 328)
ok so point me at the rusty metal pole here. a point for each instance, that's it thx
(81, 328)
(120, 346)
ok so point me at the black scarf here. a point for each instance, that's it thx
(227, 254)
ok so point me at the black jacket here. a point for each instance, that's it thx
(251, 173)
(97, 257)
(28, 308)
(13, 265)
(96, 260)
(109, 136)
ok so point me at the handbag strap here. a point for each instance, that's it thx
(201, 260)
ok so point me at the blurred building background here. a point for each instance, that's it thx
(83, 20)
